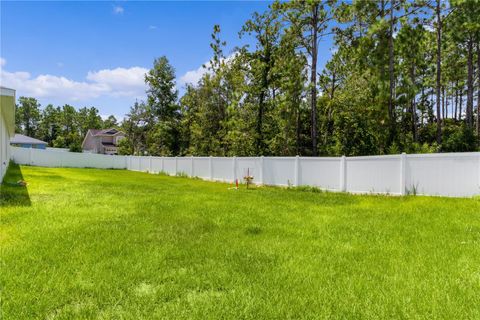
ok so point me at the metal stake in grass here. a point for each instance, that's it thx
(248, 176)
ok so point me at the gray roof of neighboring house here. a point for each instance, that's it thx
(105, 132)
(21, 139)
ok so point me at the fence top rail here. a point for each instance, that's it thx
(384, 157)
(445, 155)
(374, 157)
(321, 158)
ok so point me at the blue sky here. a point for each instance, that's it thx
(95, 53)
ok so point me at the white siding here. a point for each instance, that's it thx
(4, 147)
(7, 125)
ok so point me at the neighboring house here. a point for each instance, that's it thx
(102, 141)
(7, 126)
(19, 140)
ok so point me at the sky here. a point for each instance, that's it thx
(95, 53)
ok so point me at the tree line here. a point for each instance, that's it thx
(403, 76)
(60, 127)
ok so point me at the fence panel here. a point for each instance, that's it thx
(102, 161)
(250, 165)
(144, 164)
(157, 164)
(201, 167)
(279, 171)
(134, 163)
(74, 160)
(20, 155)
(184, 165)
(222, 169)
(44, 159)
(444, 174)
(380, 174)
(169, 165)
(119, 162)
(319, 172)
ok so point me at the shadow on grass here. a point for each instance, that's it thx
(12, 193)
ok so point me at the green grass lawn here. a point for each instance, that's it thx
(111, 244)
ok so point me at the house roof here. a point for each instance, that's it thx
(105, 132)
(22, 139)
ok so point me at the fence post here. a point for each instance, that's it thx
(30, 156)
(191, 167)
(234, 165)
(297, 168)
(261, 169)
(163, 164)
(210, 167)
(150, 164)
(403, 173)
(343, 174)
(176, 165)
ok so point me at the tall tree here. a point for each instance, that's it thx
(266, 29)
(438, 14)
(110, 122)
(310, 21)
(49, 128)
(162, 101)
(88, 118)
(27, 115)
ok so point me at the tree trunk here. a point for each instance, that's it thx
(461, 105)
(313, 78)
(443, 103)
(439, 72)
(413, 106)
(298, 129)
(261, 105)
(456, 101)
(478, 92)
(391, 106)
(423, 93)
(469, 115)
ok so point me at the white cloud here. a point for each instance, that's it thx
(122, 81)
(2, 62)
(193, 76)
(119, 82)
(118, 10)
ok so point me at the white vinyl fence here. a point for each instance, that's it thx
(447, 174)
